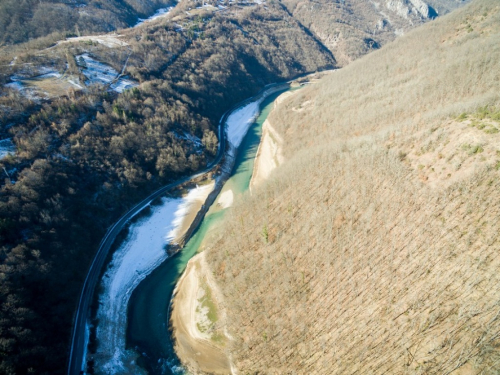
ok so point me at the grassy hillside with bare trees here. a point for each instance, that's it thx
(374, 248)
(85, 153)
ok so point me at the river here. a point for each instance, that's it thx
(148, 311)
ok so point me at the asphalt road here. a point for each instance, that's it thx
(77, 349)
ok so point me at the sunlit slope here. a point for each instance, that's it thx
(352, 28)
(441, 69)
(374, 248)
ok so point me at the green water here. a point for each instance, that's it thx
(148, 310)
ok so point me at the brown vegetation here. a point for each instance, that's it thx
(85, 157)
(23, 20)
(352, 28)
(347, 260)
(82, 159)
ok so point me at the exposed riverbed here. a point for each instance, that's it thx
(145, 247)
(148, 313)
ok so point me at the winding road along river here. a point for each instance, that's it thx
(78, 341)
(148, 311)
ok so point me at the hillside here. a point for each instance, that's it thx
(23, 20)
(352, 28)
(374, 247)
(98, 122)
(84, 155)
(348, 28)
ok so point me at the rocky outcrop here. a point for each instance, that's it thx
(421, 7)
(399, 7)
(408, 8)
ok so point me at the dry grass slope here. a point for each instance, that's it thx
(368, 263)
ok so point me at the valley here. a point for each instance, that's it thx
(94, 122)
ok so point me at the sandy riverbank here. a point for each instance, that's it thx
(186, 217)
(269, 155)
(197, 321)
(197, 316)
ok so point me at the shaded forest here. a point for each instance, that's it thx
(23, 20)
(82, 159)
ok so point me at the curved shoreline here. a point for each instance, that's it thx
(198, 314)
(150, 304)
(79, 335)
(197, 350)
(141, 253)
(200, 353)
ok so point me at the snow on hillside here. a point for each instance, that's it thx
(97, 72)
(6, 147)
(48, 83)
(159, 13)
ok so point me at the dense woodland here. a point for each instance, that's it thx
(23, 20)
(82, 159)
(382, 258)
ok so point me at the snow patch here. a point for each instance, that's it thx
(97, 72)
(7, 147)
(16, 85)
(159, 13)
(238, 123)
(85, 346)
(190, 138)
(51, 74)
(193, 196)
(33, 87)
(29, 92)
(123, 84)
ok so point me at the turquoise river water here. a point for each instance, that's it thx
(148, 311)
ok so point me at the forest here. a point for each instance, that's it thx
(24, 20)
(82, 159)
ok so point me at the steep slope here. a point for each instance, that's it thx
(352, 28)
(23, 20)
(85, 153)
(374, 247)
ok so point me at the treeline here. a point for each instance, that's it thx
(82, 160)
(23, 20)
